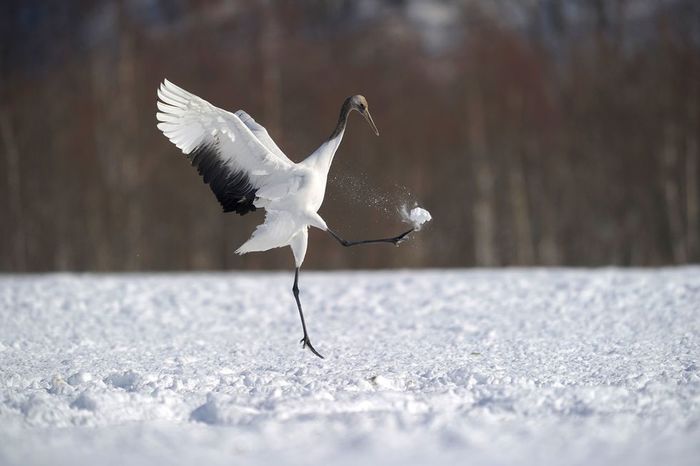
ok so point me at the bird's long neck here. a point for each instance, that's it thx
(323, 156)
(342, 120)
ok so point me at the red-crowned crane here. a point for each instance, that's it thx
(246, 170)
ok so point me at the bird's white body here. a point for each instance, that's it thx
(291, 193)
(294, 208)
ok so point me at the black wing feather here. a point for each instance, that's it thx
(231, 187)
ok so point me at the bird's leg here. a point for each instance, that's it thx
(304, 341)
(396, 240)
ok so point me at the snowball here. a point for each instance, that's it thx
(417, 216)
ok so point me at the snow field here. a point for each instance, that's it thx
(532, 366)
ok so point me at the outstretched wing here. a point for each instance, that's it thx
(235, 157)
(261, 133)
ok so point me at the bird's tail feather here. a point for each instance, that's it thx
(277, 231)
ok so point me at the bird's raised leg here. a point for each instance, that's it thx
(396, 240)
(304, 341)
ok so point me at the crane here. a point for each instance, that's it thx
(246, 171)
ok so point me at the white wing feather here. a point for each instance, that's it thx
(191, 122)
(261, 133)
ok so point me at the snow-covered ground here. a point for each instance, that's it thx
(422, 367)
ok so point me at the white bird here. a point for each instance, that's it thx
(246, 170)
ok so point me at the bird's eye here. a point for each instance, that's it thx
(362, 106)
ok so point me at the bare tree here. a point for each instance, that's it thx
(14, 187)
(484, 209)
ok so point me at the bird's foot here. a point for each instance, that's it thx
(402, 237)
(306, 342)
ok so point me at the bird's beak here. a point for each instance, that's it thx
(368, 117)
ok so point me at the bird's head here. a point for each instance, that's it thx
(359, 103)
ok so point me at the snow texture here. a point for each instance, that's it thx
(539, 367)
(417, 216)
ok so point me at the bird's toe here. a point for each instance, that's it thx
(305, 342)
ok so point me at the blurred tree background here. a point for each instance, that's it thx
(537, 132)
